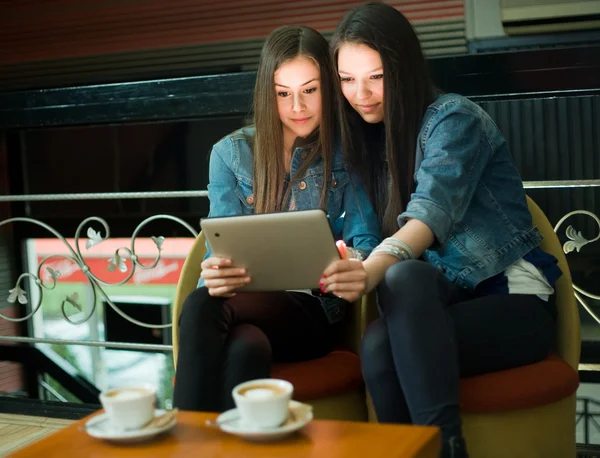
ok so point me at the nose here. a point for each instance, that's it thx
(362, 91)
(297, 103)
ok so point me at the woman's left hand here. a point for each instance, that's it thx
(347, 279)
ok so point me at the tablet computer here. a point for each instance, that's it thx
(282, 251)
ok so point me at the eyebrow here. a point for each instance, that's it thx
(372, 71)
(287, 87)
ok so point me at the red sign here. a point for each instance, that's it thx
(166, 271)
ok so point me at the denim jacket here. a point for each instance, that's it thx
(469, 193)
(349, 210)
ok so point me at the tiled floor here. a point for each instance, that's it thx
(16, 431)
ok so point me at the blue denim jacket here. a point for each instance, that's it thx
(350, 212)
(469, 193)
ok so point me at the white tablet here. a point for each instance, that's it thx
(282, 251)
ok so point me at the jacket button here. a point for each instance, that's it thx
(302, 185)
(250, 200)
(334, 183)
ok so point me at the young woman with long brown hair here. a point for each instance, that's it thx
(289, 160)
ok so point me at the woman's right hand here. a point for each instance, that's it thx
(222, 278)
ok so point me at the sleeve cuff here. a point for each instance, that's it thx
(431, 214)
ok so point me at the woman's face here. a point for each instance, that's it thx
(298, 93)
(361, 76)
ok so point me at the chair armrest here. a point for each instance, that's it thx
(188, 281)
(359, 315)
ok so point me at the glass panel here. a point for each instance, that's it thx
(147, 297)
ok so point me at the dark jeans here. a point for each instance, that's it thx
(224, 342)
(432, 332)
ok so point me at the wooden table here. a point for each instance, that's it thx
(191, 437)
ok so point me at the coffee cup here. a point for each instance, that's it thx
(263, 403)
(129, 408)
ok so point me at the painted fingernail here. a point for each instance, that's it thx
(323, 288)
(324, 275)
(321, 283)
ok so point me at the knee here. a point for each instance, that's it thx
(248, 345)
(199, 309)
(375, 350)
(407, 288)
(200, 304)
(408, 275)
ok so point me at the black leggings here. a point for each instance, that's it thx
(432, 332)
(224, 342)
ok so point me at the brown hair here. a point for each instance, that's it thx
(408, 91)
(283, 44)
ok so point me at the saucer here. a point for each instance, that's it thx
(231, 423)
(101, 428)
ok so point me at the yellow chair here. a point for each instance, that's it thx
(545, 425)
(333, 384)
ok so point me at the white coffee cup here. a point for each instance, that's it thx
(131, 407)
(263, 403)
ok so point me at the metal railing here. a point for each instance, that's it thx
(588, 417)
(117, 261)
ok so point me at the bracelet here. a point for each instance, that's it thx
(353, 253)
(398, 253)
(394, 247)
(392, 241)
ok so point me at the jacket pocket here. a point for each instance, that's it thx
(337, 186)
(244, 192)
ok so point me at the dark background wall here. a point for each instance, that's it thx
(66, 41)
(10, 373)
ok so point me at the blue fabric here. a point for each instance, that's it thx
(469, 193)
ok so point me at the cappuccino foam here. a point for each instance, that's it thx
(259, 393)
(127, 394)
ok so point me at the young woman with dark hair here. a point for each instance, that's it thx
(462, 286)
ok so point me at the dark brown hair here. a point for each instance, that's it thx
(283, 44)
(408, 91)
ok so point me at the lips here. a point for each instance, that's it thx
(300, 120)
(368, 108)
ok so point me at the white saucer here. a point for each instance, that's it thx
(101, 428)
(230, 422)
